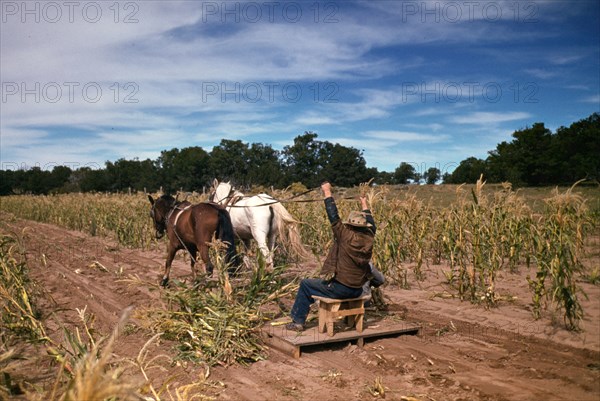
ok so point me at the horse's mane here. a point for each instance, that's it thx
(167, 198)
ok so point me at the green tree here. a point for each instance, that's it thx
(8, 182)
(187, 169)
(432, 175)
(382, 177)
(131, 174)
(502, 164)
(229, 161)
(59, 178)
(345, 166)
(264, 166)
(37, 181)
(468, 171)
(575, 151)
(525, 160)
(302, 160)
(533, 147)
(92, 180)
(310, 161)
(404, 172)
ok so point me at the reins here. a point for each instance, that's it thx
(292, 199)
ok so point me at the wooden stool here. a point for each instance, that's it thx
(330, 309)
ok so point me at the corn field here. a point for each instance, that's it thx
(20, 317)
(83, 364)
(124, 217)
(479, 234)
(471, 239)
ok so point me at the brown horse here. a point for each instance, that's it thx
(191, 227)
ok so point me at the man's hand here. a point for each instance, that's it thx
(363, 202)
(326, 188)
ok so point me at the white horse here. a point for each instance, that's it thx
(259, 217)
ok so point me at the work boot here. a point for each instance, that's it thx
(293, 326)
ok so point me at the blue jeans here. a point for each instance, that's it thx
(316, 286)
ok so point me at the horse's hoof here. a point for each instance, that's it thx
(164, 282)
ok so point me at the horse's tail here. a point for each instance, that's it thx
(226, 234)
(288, 231)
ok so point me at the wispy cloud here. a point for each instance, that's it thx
(404, 136)
(592, 99)
(541, 73)
(484, 118)
(566, 59)
(372, 104)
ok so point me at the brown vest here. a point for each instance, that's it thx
(349, 257)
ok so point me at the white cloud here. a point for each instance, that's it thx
(541, 73)
(404, 136)
(566, 59)
(15, 137)
(426, 127)
(484, 118)
(373, 104)
(312, 118)
(592, 99)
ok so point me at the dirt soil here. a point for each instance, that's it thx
(463, 351)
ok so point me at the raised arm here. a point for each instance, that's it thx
(365, 209)
(330, 207)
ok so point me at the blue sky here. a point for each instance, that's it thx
(425, 82)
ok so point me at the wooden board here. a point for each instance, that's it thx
(291, 342)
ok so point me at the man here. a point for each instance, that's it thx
(348, 260)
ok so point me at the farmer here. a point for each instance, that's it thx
(348, 260)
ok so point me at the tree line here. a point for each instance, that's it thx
(535, 156)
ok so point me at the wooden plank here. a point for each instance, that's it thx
(334, 300)
(291, 342)
(347, 312)
(281, 344)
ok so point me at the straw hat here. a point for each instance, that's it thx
(357, 219)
